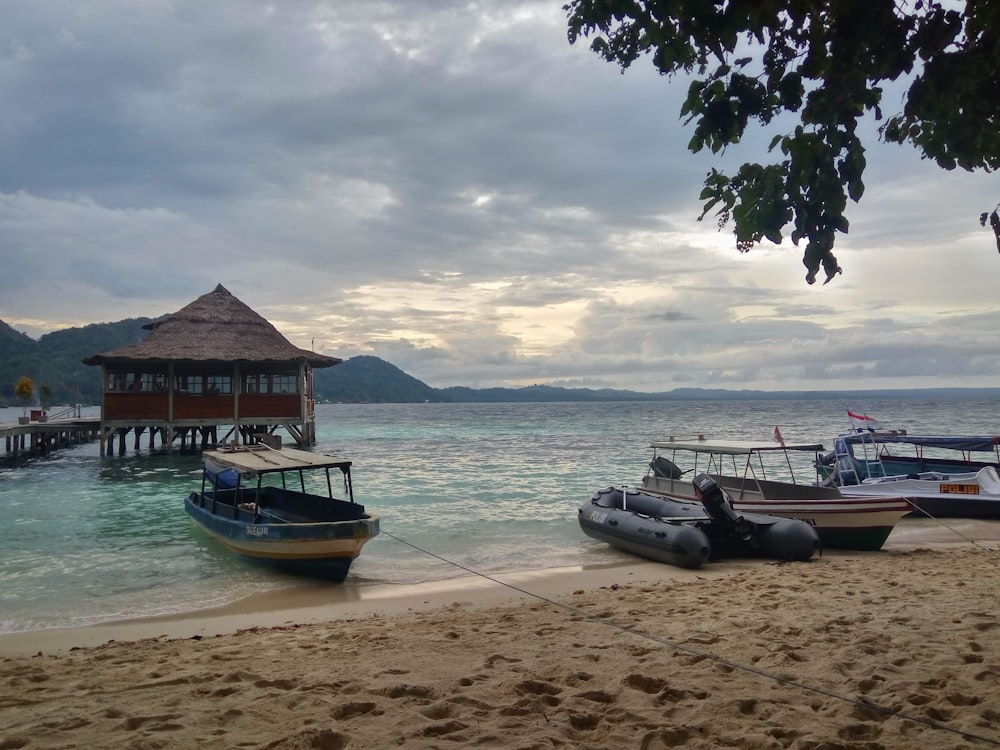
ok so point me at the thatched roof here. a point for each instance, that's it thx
(216, 327)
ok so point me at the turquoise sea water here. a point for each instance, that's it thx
(492, 487)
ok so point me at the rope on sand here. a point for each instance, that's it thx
(936, 519)
(859, 702)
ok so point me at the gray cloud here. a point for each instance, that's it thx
(456, 189)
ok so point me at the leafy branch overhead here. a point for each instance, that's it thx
(825, 61)
(994, 219)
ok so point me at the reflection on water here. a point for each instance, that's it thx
(493, 487)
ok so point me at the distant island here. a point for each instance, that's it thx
(370, 379)
(55, 360)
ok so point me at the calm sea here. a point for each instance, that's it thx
(491, 487)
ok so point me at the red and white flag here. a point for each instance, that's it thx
(778, 437)
(862, 422)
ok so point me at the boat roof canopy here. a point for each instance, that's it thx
(953, 442)
(262, 459)
(735, 447)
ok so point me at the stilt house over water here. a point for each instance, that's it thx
(214, 363)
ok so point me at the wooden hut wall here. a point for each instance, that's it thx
(184, 392)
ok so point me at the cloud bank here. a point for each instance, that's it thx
(454, 188)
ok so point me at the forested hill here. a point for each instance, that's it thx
(56, 358)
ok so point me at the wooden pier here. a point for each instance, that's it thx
(38, 437)
(41, 436)
(189, 435)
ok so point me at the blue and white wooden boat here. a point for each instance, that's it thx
(277, 506)
(688, 534)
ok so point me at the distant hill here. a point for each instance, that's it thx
(13, 342)
(369, 379)
(55, 360)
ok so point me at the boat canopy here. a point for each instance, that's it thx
(951, 442)
(262, 459)
(734, 447)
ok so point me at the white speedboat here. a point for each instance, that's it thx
(967, 492)
(760, 478)
(879, 453)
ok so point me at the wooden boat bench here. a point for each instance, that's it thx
(285, 516)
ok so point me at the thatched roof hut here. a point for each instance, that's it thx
(216, 327)
(212, 363)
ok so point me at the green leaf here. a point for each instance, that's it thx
(825, 66)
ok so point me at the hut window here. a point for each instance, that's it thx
(285, 384)
(199, 385)
(218, 384)
(134, 381)
(262, 382)
(255, 383)
(117, 381)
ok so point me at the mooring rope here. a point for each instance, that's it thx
(958, 533)
(859, 702)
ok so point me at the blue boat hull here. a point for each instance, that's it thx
(294, 532)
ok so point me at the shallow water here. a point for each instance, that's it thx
(487, 487)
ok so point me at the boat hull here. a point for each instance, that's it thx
(664, 539)
(683, 533)
(316, 548)
(841, 522)
(975, 495)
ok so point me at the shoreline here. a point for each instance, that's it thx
(298, 605)
(317, 602)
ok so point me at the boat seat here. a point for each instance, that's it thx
(990, 480)
(283, 516)
(849, 471)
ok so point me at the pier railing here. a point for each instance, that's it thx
(70, 412)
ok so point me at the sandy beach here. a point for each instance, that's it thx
(895, 649)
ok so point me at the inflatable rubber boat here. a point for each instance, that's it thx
(689, 534)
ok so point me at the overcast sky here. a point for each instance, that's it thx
(452, 187)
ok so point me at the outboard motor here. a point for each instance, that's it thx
(665, 468)
(717, 506)
(826, 459)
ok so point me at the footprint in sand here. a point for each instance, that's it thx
(158, 723)
(597, 696)
(355, 708)
(408, 691)
(314, 739)
(443, 728)
(645, 683)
